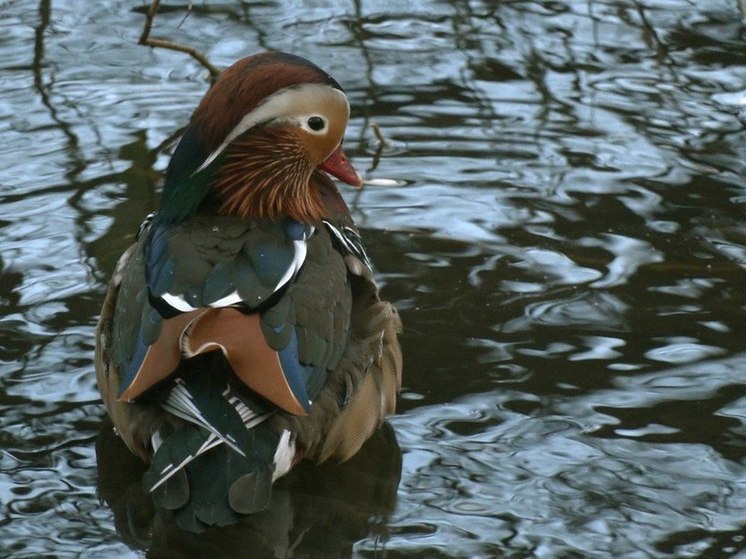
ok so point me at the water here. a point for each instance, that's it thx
(568, 253)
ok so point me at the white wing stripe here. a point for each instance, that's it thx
(298, 259)
(177, 302)
(227, 301)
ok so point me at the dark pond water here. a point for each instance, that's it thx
(568, 254)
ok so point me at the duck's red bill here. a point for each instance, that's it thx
(340, 167)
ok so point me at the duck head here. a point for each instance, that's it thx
(259, 142)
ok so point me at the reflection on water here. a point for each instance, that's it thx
(315, 511)
(568, 254)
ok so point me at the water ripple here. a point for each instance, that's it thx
(566, 248)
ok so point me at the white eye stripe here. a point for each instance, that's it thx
(281, 105)
(304, 122)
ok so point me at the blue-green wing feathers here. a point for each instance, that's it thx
(292, 281)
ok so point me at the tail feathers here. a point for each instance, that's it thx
(166, 478)
(224, 486)
(251, 492)
(220, 464)
(216, 408)
(211, 487)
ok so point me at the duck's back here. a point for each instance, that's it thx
(245, 346)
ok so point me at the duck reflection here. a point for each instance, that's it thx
(315, 511)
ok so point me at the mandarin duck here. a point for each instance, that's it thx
(243, 330)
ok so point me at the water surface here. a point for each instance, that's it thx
(568, 254)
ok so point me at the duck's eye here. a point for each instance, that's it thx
(316, 123)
